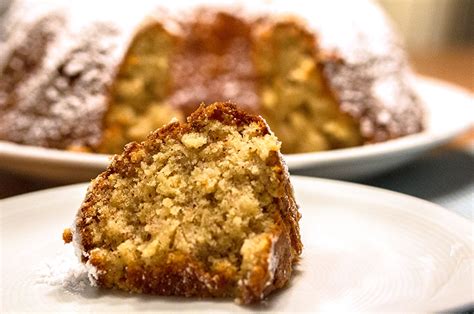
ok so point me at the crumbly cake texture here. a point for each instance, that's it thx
(94, 81)
(203, 208)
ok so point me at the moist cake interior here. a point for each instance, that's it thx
(288, 87)
(209, 195)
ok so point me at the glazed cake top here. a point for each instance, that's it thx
(58, 60)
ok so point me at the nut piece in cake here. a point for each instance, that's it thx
(203, 208)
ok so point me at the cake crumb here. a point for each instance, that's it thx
(67, 235)
(64, 270)
(193, 140)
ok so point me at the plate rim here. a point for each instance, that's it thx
(28, 153)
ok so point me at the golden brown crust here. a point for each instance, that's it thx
(182, 275)
(274, 269)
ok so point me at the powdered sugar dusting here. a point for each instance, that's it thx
(60, 97)
(64, 270)
(273, 260)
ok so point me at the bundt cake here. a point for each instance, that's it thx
(203, 208)
(324, 74)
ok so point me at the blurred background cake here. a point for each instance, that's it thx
(83, 76)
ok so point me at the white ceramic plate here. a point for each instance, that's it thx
(450, 111)
(364, 249)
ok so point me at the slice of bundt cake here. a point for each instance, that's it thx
(203, 208)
